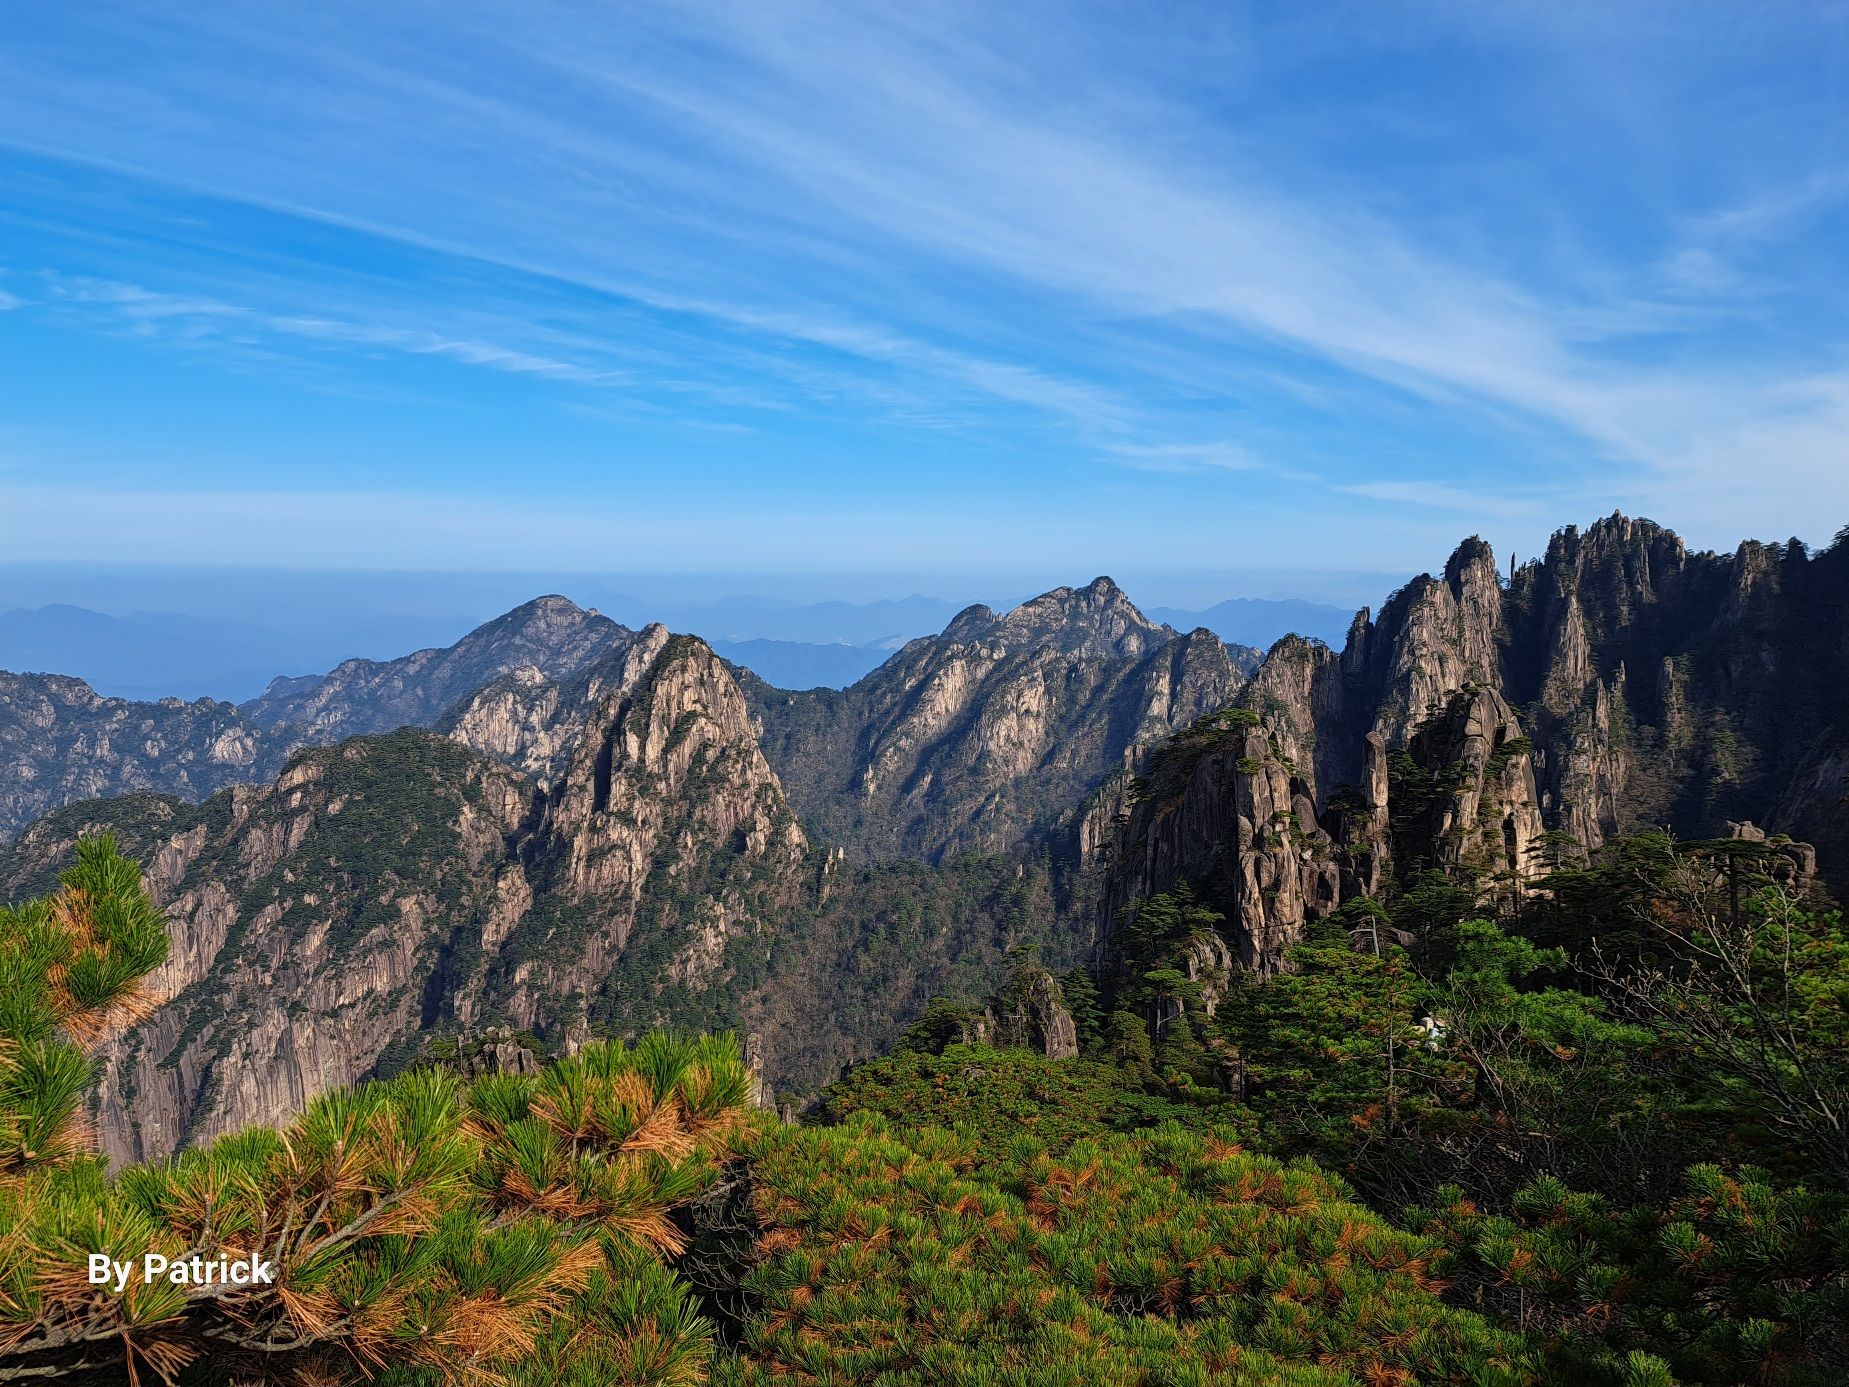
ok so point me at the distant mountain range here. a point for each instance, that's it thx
(1260, 622)
(790, 645)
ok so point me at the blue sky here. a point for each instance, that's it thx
(916, 288)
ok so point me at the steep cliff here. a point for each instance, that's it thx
(662, 856)
(1466, 801)
(402, 885)
(1471, 718)
(1682, 688)
(986, 737)
(1225, 807)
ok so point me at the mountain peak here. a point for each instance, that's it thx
(1472, 553)
(548, 604)
(1096, 620)
(541, 618)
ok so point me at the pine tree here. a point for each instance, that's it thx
(453, 1230)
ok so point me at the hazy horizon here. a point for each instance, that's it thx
(154, 631)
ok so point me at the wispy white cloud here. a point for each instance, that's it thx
(192, 317)
(1188, 457)
(911, 211)
(1443, 496)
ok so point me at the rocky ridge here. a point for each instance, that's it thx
(1475, 717)
(61, 742)
(551, 636)
(986, 737)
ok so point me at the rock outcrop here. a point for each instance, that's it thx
(1031, 1011)
(1221, 807)
(1477, 810)
(1679, 688)
(1514, 711)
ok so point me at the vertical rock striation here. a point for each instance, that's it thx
(1511, 711)
(405, 884)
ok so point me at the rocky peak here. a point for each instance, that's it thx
(1616, 569)
(1433, 636)
(667, 796)
(1300, 690)
(655, 743)
(534, 721)
(550, 634)
(1097, 621)
(996, 731)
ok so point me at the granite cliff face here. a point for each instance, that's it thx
(1225, 807)
(990, 735)
(1472, 717)
(665, 846)
(533, 720)
(403, 884)
(1682, 688)
(60, 742)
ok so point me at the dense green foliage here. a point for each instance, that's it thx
(1633, 1141)
(905, 1255)
(1734, 1279)
(996, 1097)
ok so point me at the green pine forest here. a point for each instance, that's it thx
(1591, 1131)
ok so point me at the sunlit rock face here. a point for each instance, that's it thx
(405, 884)
(993, 734)
(1617, 683)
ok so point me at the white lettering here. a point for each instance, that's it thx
(104, 1270)
(250, 1270)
